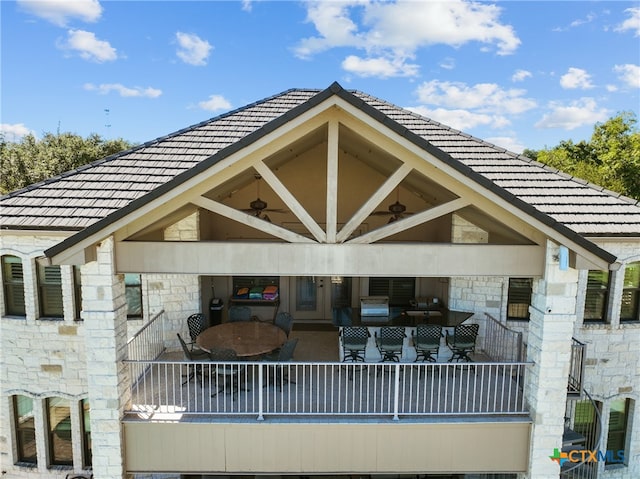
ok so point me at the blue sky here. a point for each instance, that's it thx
(518, 74)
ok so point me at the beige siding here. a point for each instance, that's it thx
(265, 447)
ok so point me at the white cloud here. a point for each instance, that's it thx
(629, 74)
(59, 12)
(520, 75)
(192, 49)
(632, 23)
(448, 63)
(123, 91)
(582, 112)
(576, 78)
(396, 30)
(215, 103)
(88, 46)
(484, 97)
(507, 142)
(379, 67)
(458, 119)
(14, 132)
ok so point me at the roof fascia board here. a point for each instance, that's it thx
(259, 141)
(556, 231)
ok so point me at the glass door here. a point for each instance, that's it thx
(315, 297)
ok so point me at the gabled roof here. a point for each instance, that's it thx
(109, 188)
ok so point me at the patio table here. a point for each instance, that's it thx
(247, 338)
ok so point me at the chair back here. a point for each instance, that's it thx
(465, 333)
(239, 313)
(224, 355)
(428, 335)
(287, 349)
(284, 321)
(392, 337)
(196, 323)
(355, 337)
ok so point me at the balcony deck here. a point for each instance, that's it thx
(317, 384)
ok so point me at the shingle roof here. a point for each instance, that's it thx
(79, 198)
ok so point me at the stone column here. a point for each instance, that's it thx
(552, 318)
(105, 320)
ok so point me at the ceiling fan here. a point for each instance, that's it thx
(257, 207)
(396, 210)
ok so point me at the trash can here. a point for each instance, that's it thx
(215, 311)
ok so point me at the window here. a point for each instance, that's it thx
(86, 433)
(133, 292)
(77, 290)
(595, 305)
(25, 429)
(400, 290)
(629, 310)
(617, 437)
(59, 429)
(519, 298)
(50, 291)
(13, 283)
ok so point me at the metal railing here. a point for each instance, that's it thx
(576, 367)
(584, 419)
(337, 389)
(502, 343)
(146, 345)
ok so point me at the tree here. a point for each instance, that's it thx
(611, 158)
(31, 160)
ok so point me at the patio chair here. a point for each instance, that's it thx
(239, 313)
(229, 372)
(280, 373)
(427, 342)
(462, 342)
(196, 323)
(194, 370)
(390, 341)
(284, 321)
(354, 342)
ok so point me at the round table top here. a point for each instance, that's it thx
(247, 338)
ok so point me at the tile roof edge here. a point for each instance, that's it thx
(334, 89)
(194, 171)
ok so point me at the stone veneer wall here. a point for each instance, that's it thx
(40, 357)
(48, 358)
(612, 368)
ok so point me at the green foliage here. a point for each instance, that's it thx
(611, 158)
(31, 160)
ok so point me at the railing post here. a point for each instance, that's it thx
(260, 394)
(396, 393)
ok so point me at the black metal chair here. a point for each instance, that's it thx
(390, 341)
(462, 342)
(196, 323)
(280, 374)
(239, 313)
(228, 371)
(354, 342)
(284, 321)
(427, 342)
(194, 370)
